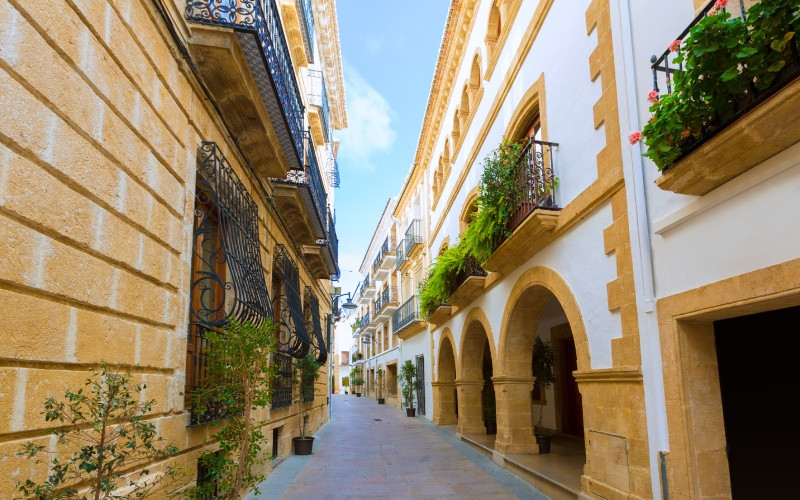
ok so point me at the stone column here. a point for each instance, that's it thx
(514, 428)
(443, 403)
(470, 415)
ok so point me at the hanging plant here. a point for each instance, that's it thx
(437, 287)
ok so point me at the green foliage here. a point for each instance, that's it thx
(379, 385)
(408, 383)
(345, 381)
(103, 423)
(306, 374)
(498, 193)
(437, 287)
(542, 368)
(239, 376)
(723, 59)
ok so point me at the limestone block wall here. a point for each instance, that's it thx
(100, 120)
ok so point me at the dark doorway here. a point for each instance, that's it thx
(571, 406)
(756, 356)
(487, 394)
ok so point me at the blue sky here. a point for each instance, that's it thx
(389, 52)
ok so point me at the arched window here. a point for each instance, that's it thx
(475, 73)
(465, 108)
(469, 211)
(495, 27)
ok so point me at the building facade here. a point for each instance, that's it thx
(167, 166)
(647, 284)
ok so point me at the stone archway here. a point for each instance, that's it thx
(476, 339)
(529, 297)
(444, 387)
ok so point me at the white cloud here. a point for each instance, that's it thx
(369, 128)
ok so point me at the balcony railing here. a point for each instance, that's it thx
(405, 314)
(737, 105)
(307, 27)
(318, 96)
(387, 296)
(471, 268)
(333, 246)
(260, 18)
(368, 282)
(413, 235)
(400, 252)
(376, 264)
(535, 182)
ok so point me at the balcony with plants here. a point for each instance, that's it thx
(386, 303)
(406, 320)
(517, 209)
(729, 96)
(454, 280)
(247, 67)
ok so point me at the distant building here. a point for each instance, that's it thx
(662, 294)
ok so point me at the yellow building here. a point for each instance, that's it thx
(165, 165)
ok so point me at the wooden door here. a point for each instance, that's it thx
(571, 406)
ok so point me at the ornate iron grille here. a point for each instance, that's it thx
(535, 180)
(226, 236)
(227, 276)
(318, 96)
(293, 337)
(405, 314)
(319, 348)
(738, 104)
(308, 27)
(261, 20)
(282, 389)
(333, 246)
(420, 384)
(413, 235)
(310, 176)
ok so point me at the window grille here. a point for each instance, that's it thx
(227, 280)
(293, 338)
(420, 384)
(282, 388)
(319, 347)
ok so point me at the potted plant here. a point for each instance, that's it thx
(408, 383)
(306, 372)
(542, 368)
(379, 374)
(345, 384)
(355, 375)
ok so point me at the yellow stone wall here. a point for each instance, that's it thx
(100, 120)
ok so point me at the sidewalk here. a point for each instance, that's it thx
(374, 451)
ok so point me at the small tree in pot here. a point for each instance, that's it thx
(379, 374)
(408, 383)
(306, 372)
(355, 377)
(542, 368)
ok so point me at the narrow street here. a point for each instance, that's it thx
(376, 451)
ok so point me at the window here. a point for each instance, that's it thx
(207, 483)
(227, 278)
(391, 380)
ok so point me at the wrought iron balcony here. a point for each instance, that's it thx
(535, 209)
(406, 317)
(318, 97)
(466, 285)
(732, 140)
(307, 27)
(303, 192)
(257, 28)
(368, 287)
(332, 249)
(413, 238)
(400, 254)
(386, 303)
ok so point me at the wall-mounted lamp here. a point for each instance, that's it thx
(348, 304)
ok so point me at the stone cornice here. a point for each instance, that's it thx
(451, 52)
(331, 55)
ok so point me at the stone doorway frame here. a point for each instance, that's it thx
(697, 464)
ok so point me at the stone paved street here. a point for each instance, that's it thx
(374, 451)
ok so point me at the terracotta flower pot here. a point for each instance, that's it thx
(411, 412)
